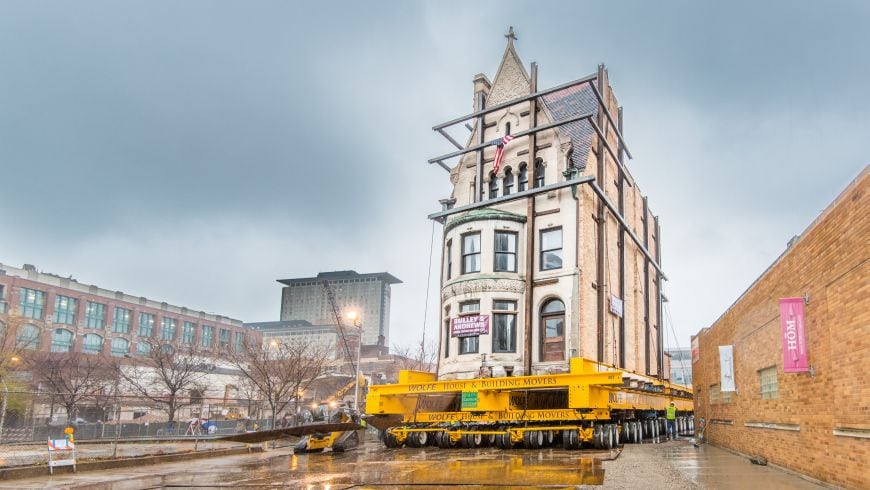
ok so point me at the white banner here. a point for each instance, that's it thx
(726, 366)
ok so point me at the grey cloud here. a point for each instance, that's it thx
(163, 148)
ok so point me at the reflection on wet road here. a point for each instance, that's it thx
(373, 465)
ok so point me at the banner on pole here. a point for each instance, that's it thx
(696, 350)
(726, 368)
(794, 345)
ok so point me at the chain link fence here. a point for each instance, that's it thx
(128, 425)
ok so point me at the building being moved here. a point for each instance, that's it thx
(553, 253)
(797, 352)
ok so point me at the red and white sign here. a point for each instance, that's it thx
(696, 350)
(794, 344)
(469, 326)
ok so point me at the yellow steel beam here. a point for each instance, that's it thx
(507, 416)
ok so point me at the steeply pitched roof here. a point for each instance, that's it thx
(574, 101)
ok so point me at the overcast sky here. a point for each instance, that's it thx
(195, 152)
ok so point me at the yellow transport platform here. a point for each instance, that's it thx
(592, 403)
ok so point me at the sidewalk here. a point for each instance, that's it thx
(31, 454)
(712, 467)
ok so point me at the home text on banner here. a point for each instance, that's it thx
(469, 326)
(726, 367)
(794, 344)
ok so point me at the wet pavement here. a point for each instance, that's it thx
(30, 454)
(712, 467)
(675, 464)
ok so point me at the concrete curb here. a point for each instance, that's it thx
(42, 470)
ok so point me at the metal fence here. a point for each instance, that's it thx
(126, 425)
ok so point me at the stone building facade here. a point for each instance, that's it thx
(815, 422)
(489, 274)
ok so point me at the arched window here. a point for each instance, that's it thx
(493, 186)
(120, 347)
(93, 344)
(143, 348)
(28, 337)
(61, 340)
(507, 128)
(524, 177)
(507, 181)
(553, 331)
(539, 172)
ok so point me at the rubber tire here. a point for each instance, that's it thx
(566, 439)
(390, 441)
(444, 441)
(488, 440)
(548, 438)
(636, 434)
(423, 439)
(608, 436)
(532, 439)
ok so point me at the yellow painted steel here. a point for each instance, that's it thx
(593, 390)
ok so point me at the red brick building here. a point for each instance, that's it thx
(816, 422)
(50, 313)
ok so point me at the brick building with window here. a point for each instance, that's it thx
(58, 314)
(815, 422)
(525, 286)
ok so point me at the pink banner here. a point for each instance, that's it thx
(469, 326)
(794, 344)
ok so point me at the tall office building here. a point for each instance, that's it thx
(367, 294)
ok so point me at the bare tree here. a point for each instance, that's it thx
(280, 370)
(15, 340)
(251, 394)
(417, 357)
(165, 373)
(71, 378)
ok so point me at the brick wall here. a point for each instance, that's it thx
(817, 424)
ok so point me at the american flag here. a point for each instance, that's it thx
(499, 151)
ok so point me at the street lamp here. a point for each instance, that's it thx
(357, 322)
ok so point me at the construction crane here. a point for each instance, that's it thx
(330, 295)
(330, 438)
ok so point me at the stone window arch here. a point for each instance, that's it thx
(524, 177)
(61, 340)
(93, 343)
(120, 347)
(28, 337)
(539, 172)
(507, 181)
(493, 185)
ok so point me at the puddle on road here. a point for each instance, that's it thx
(404, 467)
(377, 467)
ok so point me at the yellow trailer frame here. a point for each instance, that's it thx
(594, 390)
(594, 395)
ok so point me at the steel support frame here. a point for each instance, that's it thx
(588, 179)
